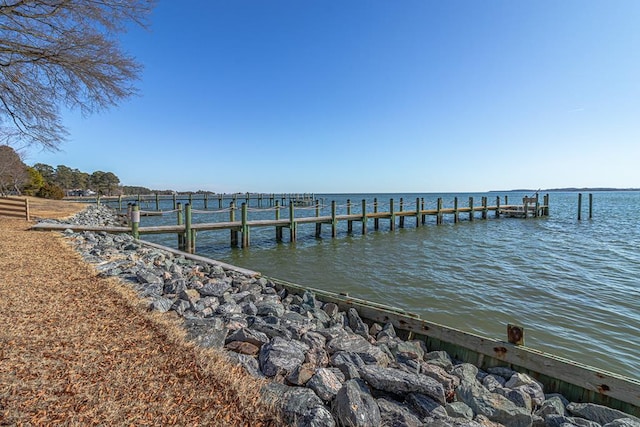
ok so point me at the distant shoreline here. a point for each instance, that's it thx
(566, 190)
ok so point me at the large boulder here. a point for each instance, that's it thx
(281, 357)
(354, 406)
(400, 382)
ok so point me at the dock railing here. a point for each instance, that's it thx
(240, 221)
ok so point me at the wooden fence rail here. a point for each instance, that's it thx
(14, 207)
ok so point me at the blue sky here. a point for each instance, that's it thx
(373, 96)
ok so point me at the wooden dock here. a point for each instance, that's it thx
(362, 213)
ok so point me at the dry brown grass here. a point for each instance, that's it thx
(77, 349)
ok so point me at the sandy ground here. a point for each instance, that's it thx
(77, 349)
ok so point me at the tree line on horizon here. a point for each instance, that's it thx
(46, 181)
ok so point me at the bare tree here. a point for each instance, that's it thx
(57, 53)
(13, 172)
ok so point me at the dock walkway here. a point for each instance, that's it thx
(240, 228)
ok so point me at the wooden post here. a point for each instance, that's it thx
(401, 209)
(579, 206)
(139, 199)
(506, 200)
(546, 204)
(180, 222)
(334, 221)
(364, 216)
(187, 228)
(392, 216)
(318, 224)
(349, 222)
(220, 201)
(536, 212)
(515, 334)
(424, 216)
(470, 208)
(232, 218)
(456, 214)
(157, 202)
(120, 203)
(245, 227)
(498, 207)
(206, 200)
(278, 227)
(417, 212)
(260, 200)
(272, 199)
(590, 205)
(191, 199)
(292, 222)
(525, 202)
(439, 211)
(135, 221)
(376, 221)
(484, 207)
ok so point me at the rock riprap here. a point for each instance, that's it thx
(327, 367)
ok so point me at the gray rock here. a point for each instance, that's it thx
(450, 382)
(491, 382)
(348, 363)
(280, 356)
(208, 333)
(161, 304)
(356, 324)
(299, 406)
(393, 413)
(301, 374)
(325, 383)
(483, 402)
(425, 406)
(564, 421)
(517, 396)
(409, 349)
(248, 335)
(459, 410)
(623, 422)
(388, 331)
(215, 288)
(357, 344)
(146, 276)
(598, 413)
(501, 371)
(331, 309)
(528, 385)
(249, 363)
(399, 382)
(269, 308)
(355, 407)
(439, 358)
(551, 406)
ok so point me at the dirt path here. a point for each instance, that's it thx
(76, 349)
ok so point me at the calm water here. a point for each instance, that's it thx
(574, 285)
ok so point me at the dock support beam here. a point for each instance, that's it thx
(190, 244)
(318, 224)
(278, 227)
(245, 227)
(401, 209)
(392, 216)
(180, 222)
(471, 209)
(417, 212)
(292, 222)
(232, 218)
(364, 217)
(135, 221)
(334, 221)
(376, 221)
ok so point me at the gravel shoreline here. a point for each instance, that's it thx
(327, 366)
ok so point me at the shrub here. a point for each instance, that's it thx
(51, 191)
